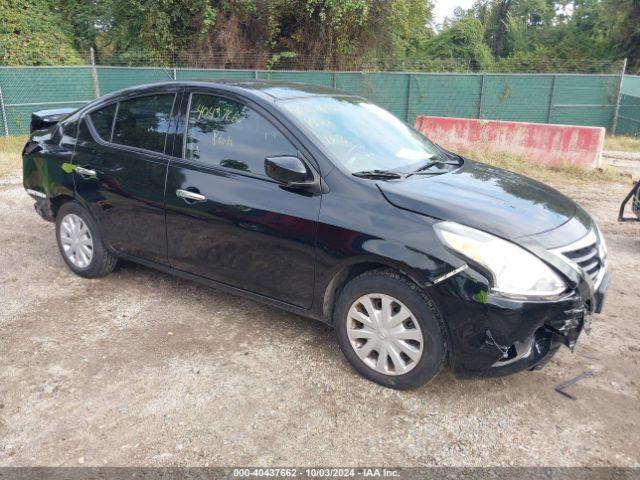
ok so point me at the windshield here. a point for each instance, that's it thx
(361, 135)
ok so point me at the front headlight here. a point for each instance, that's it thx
(515, 271)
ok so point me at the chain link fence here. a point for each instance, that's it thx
(608, 98)
(628, 117)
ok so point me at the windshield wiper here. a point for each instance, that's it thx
(389, 175)
(427, 166)
(459, 157)
(383, 174)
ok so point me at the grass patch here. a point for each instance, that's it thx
(622, 143)
(553, 175)
(10, 150)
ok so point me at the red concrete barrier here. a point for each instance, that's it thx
(538, 142)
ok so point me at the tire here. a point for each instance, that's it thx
(423, 322)
(89, 262)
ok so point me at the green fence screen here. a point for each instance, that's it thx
(629, 109)
(544, 98)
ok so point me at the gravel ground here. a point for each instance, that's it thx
(141, 368)
(627, 161)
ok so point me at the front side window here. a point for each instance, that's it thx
(143, 122)
(103, 121)
(361, 135)
(226, 133)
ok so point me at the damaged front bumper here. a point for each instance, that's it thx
(503, 336)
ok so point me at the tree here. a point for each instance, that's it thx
(561, 35)
(508, 22)
(348, 33)
(157, 29)
(252, 33)
(539, 35)
(32, 33)
(463, 40)
(87, 20)
(623, 19)
(407, 31)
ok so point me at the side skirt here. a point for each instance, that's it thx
(309, 313)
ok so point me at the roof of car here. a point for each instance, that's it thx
(271, 89)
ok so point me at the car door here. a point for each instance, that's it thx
(120, 171)
(228, 221)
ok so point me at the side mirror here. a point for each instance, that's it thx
(290, 171)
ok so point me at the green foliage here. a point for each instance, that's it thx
(32, 33)
(320, 33)
(281, 60)
(567, 35)
(407, 31)
(493, 35)
(85, 19)
(347, 33)
(463, 40)
(329, 30)
(510, 24)
(158, 26)
(540, 60)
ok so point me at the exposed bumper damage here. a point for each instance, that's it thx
(43, 206)
(499, 336)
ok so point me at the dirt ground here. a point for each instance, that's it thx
(141, 368)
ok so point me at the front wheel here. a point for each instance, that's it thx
(389, 330)
(80, 243)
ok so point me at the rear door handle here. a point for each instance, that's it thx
(189, 195)
(86, 172)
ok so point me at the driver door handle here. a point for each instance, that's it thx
(87, 172)
(189, 195)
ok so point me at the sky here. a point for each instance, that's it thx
(445, 8)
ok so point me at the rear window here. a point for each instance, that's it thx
(103, 120)
(143, 122)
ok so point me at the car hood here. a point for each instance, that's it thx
(484, 197)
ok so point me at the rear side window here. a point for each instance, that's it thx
(103, 121)
(229, 134)
(66, 131)
(143, 122)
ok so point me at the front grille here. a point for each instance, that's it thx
(586, 254)
(587, 258)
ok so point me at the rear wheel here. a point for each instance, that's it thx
(80, 243)
(389, 330)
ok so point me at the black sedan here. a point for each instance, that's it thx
(326, 205)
